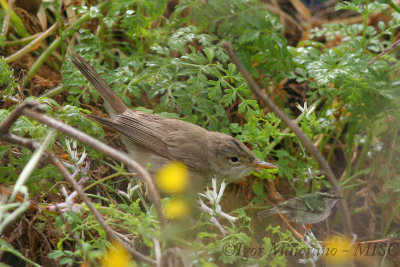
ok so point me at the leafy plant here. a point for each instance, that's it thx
(165, 58)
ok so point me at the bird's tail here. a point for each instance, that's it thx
(266, 213)
(99, 84)
(104, 121)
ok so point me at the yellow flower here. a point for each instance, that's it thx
(117, 256)
(176, 208)
(338, 251)
(173, 178)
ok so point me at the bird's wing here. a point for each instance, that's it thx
(295, 204)
(139, 131)
(287, 207)
(166, 137)
(266, 213)
(189, 147)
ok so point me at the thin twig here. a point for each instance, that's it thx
(157, 249)
(379, 241)
(384, 52)
(294, 231)
(387, 249)
(296, 129)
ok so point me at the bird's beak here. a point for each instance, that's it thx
(263, 165)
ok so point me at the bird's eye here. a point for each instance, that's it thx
(234, 159)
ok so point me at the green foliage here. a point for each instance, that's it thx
(127, 217)
(13, 163)
(255, 33)
(168, 60)
(7, 83)
(179, 67)
(368, 91)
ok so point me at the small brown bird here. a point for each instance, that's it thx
(158, 140)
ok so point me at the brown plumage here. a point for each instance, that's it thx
(158, 140)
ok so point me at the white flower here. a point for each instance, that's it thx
(73, 152)
(215, 209)
(68, 204)
(80, 164)
(129, 191)
(305, 110)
